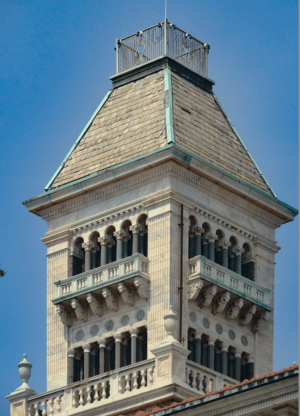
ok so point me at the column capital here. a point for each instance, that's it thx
(87, 246)
(136, 228)
(211, 340)
(211, 237)
(224, 244)
(102, 342)
(198, 230)
(238, 251)
(71, 352)
(238, 353)
(86, 348)
(118, 337)
(198, 334)
(225, 346)
(103, 240)
(120, 234)
(133, 332)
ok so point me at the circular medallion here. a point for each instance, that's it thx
(244, 340)
(79, 335)
(140, 315)
(193, 317)
(94, 330)
(231, 335)
(205, 323)
(125, 320)
(110, 325)
(219, 329)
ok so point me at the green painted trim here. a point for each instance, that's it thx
(77, 141)
(243, 144)
(294, 211)
(169, 106)
(186, 159)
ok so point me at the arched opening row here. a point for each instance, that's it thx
(107, 355)
(219, 357)
(115, 245)
(225, 253)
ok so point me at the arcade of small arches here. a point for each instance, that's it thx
(216, 247)
(219, 356)
(107, 354)
(113, 245)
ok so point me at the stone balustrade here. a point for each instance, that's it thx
(203, 380)
(135, 265)
(95, 391)
(201, 267)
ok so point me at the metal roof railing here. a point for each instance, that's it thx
(160, 40)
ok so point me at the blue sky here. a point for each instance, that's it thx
(55, 62)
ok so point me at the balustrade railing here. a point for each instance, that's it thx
(204, 380)
(88, 393)
(159, 40)
(208, 270)
(129, 266)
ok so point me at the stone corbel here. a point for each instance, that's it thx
(258, 321)
(195, 288)
(142, 288)
(220, 302)
(247, 315)
(95, 304)
(65, 315)
(207, 295)
(126, 293)
(110, 298)
(80, 310)
(234, 309)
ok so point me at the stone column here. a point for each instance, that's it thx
(118, 340)
(103, 241)
(250, 368)
(225, 245)
(71, 365)
(205, 248)
(198, 347)
(231, 264)
(238, 259)
(87, 261)
(135, 237)
(133, 333)
(102, 344)
(86, 368)
(77, 371)
(211, 353)
(238, 364)
(211, 245)
(119, 236)
(224, 353)
(198, 232)
(92, 369)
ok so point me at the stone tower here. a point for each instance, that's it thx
(160, 243)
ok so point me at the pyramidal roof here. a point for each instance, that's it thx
(150, 109)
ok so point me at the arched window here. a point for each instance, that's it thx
(77, 257)
(127, 239)
(111, 246)
(143, 235)
(218, 249)
(206, 230)
(95, 252)
(248, 265)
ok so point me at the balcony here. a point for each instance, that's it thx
(211, 273)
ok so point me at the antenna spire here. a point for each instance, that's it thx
(165, 9)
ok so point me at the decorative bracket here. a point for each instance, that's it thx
(207, 295)
(234, 309)
(194, 289)
(142, 288)
(80, 310)
(246, 315)
(221, 302)
(258, 322)
(110, 298)
(126, 293)
(95, 304)
(65, 315)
